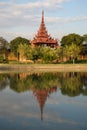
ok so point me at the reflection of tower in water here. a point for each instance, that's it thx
(41, 96)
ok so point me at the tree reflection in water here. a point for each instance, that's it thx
(43, 84)
(3, 81)
(71, 84)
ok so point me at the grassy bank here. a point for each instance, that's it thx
(43, 67)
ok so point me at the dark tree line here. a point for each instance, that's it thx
(72, 46)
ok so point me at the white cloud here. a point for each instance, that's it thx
(56, 1)
(65, 20)
(14, 16)
(23, 14)
(21, 9)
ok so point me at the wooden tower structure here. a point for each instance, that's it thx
(42, 38)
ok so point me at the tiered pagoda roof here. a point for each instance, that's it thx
(42, 37)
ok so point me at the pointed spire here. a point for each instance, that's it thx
(42, 15)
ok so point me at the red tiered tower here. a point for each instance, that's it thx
(42, 38)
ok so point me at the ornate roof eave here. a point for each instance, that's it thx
(45, 42)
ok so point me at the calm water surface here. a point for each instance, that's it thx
(46, 101)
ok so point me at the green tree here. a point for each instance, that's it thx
(48, 54)
(28, 53)
(36, 53)
(60, 53)
(22, 51)
(4, 46)
(72, 38)
(72, 52)
(84, 51)
(15, 43)
(33, 53)
(85, 38)
(1, 58)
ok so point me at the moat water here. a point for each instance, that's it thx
(43, 101)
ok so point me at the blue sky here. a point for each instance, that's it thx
(23, 17)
